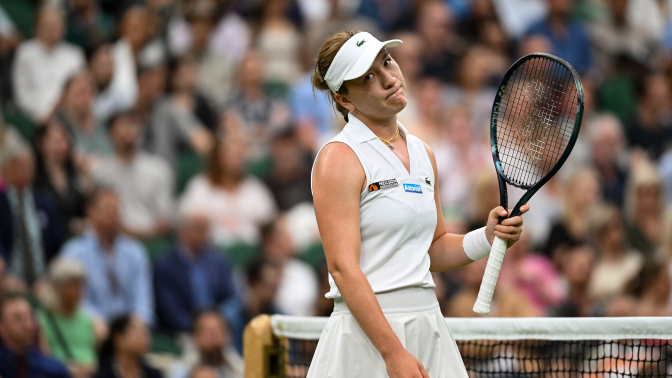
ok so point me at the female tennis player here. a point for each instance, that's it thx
(375, 190)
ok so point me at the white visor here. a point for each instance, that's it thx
(355, 58)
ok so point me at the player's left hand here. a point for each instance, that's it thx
(509, 230)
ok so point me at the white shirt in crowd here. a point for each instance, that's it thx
(145, 188)
(235, 216)
(298, 289)
(122, 92)
(40, 74)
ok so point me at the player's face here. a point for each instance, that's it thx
(380, 92)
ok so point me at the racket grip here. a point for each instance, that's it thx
(482, 305)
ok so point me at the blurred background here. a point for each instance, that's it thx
(155, 162)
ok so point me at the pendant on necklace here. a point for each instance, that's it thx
(391, 146)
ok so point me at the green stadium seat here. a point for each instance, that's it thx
(261, 167)
(22, 13)
(240, 254)
(618, 96)
(24, 125)
(158, 247)
(188, 165)
(165, 344)
(314, 255)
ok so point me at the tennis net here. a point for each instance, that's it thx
(283, 346)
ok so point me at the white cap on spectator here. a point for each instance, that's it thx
(66, 268)
(354, 58)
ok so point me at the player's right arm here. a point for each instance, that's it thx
(338, 180)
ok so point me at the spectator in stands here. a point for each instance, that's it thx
(59, 175)
(576, 262)
(508, 301)
(409, 59)
(617, 263)
(651, 289)
(607, 146)
(217, 47)
(192, 277)
(121, 356)
(151, 85)
(87, 24)
(480, 13)
(118, 272)
(236, 203)
(77, 114)
(614, 37)
(652, 127)
(645, 208)
(113, 94)
(143, 182)
(533, 277)
(463, 155)
(19, 356)
(314, 116)
(263, 280)
(212, 347)
(289, 179)
(183, 74)
(30, 227)
(133, 36)
(70, 333)
(471, 89)
(493, 37)
(154, 51)
(567, 36)
(573, 227)
(9, 136)
(252, 112)
(279, 43)
(183, 117)
(43, 64)
(297, 290)
(441, 45)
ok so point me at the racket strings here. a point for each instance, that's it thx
(536, 119)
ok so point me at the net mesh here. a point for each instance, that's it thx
(528, 358)
(514, 347)
(535, 119)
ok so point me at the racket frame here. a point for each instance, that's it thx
(486, 291)
(501, 176)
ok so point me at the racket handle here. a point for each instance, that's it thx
(482, 305)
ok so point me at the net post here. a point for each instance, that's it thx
(257, 337)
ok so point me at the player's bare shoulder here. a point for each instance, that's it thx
(337, 165)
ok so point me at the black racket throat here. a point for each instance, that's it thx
(504, 200)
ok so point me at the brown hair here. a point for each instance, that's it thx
(326, 55)
(215, 170)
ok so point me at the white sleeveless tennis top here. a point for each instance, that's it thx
(397, 212)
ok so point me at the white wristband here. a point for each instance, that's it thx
(476, 245)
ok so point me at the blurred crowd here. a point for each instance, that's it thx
(155, 161)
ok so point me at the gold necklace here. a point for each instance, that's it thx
(396, 134)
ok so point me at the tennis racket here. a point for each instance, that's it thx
(534, 124)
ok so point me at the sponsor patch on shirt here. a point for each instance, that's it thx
(413, 188)
(381, 185)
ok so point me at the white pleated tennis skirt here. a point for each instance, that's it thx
(344, 350)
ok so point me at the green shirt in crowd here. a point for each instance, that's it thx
(77, 332)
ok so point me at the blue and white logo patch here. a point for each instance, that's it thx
(413, 188)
